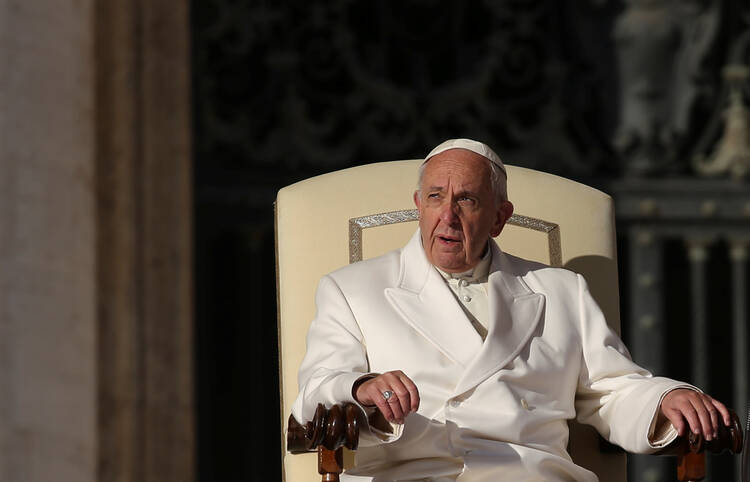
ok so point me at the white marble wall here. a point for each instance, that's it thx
(48, 388)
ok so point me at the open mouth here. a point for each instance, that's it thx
(449, 239)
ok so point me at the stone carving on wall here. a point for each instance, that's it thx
(331, 83)
(731, 154)
(558, 85)
(661, 46)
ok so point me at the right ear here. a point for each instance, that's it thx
(416, 199)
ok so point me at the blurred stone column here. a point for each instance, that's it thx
(698, 251)
(146, 408)
(95, 252)
(647, 327)
(738, 257)
(48, 389)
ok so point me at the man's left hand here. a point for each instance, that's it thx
(701, 412)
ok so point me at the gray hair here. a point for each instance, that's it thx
(498, 181)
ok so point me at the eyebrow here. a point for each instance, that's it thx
(457, 193)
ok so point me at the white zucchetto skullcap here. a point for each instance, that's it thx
(474, 146)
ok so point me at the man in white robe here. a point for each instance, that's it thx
(475, 358)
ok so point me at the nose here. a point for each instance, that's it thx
(448, 214)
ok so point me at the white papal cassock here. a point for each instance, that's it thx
(492, 410)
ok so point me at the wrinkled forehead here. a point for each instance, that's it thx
(458, 168)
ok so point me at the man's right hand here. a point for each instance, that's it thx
(404, 397)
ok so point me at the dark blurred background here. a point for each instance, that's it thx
(142, 144)
(621, 95)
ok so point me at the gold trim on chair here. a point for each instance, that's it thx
(356, 225)
(553, 235)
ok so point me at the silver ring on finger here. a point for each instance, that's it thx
(387, 394)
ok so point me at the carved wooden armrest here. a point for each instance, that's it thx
(337, 427)
(328, 431)
(691, 449)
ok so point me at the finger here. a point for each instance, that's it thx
(413, 392)
(677, 420)
(395, 406)
(400, 391)
(404, 398)
(688, 412)
(704, 418)
(399, 401)
(723, 410)
(405, 388)
(714, 414)
(382, 403)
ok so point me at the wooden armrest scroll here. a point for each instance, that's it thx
(328, 431)
(337, 427)
(691, 449)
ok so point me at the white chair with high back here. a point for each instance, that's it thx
(328, 221)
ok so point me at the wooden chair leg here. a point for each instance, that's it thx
(691, 466)
(330, 463)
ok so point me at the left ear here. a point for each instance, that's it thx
(504, 212)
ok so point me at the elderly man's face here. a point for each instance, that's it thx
(457, 210)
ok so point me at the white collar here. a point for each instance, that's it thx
(477, 274)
